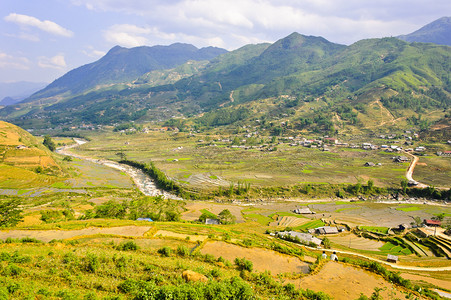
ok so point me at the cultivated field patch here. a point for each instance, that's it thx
(346, 282)
(48, 235)
(189, 237)
(352, 241)
(262, 259)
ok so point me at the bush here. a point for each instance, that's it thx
(165, 251)
(182, 251)
(127, 246)
(215, 273)
(244, 264)
(90, 263)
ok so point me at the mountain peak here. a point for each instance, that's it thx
(437, 32)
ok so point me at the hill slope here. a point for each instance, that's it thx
(437, 32)
(122, 64)
(306, 78)
(24, 161)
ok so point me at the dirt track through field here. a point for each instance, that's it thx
(412, 165)
(48, 235)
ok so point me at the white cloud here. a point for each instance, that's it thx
(227, 22)
(47, 26)
(11, 62)
(127, 35)
(55, 62)
(91, 52)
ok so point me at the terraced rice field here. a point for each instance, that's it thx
(288, 221)
(356, 242)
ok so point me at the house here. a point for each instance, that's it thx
(303, 237)
(434, 223)
(326, 230)
(420, 149)
(392, 258)
(144, 219)
(303, 211)
(400, 159)
(331, 140)
(212, 221)
(20, 147)
(369, 164)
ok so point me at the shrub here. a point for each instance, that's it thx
(90, 263)
(12, 270)
(127, 246)
(182, 251)
(30, 240)
(215, 273)
(243, 264)
(165, 251)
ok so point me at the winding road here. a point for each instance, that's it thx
(409, 172)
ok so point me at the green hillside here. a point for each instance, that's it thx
(372, 82)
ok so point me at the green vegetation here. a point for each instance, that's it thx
(379, 229)
(10, 213)
(49, 143)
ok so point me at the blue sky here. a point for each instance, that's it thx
(40, 40)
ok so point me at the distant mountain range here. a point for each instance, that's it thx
(437, 32)
(123, 65)
(14, 92)
(308, 81)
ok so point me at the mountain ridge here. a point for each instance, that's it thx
(437, 32)
(405, 78)
(124, 64)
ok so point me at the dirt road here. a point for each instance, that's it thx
(409, 172)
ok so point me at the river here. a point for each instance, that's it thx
(144, 183)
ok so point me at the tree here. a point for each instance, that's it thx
(370, 185)
(439, 217)
(49, 143)
(226, 217)
(10, 213)
(326, 243)
(404, 184)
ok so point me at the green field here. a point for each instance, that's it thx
(183, 158)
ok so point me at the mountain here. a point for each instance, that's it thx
(437, 32)
(307, 81)
(14, 92)
(124, 65)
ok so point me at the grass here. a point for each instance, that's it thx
(286, 166)
(408, 208)
(310, 225)
(263, 220)
(61, 185)
(285, 214)
(389, 248)
(383, 230)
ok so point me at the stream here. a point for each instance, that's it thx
(144, 183)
